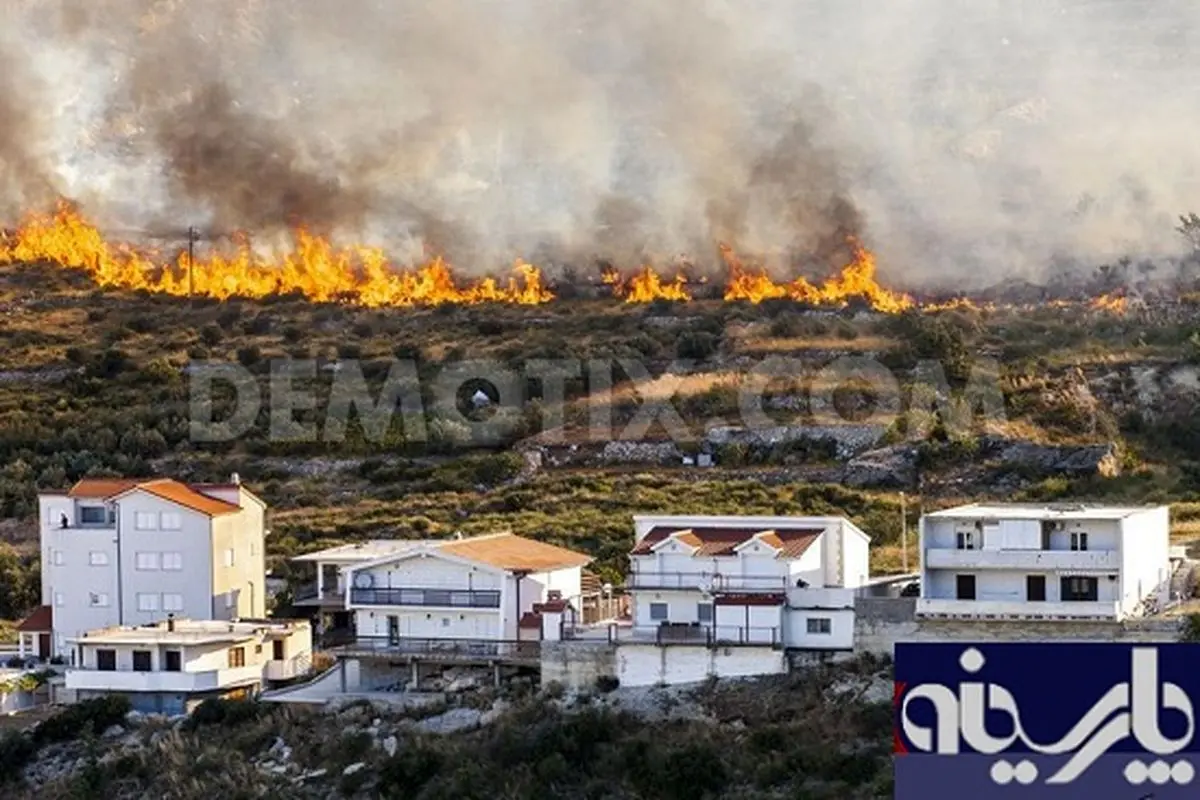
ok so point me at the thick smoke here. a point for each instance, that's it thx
(966, 142)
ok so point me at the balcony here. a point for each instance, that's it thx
(182, 682)
(439, 598)
(468, 651)
(707, 581)
(290, 668)
(703, 635)
(1029, 560)
(1017, 609)
(306, 595)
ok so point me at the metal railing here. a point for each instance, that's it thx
(710, 635)
(308, 591)
(466, 649)
(448, 598)
(708, 580)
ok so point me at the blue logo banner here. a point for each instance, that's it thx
(1053, 721)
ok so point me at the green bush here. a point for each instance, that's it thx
(228, 713)
(96, 715)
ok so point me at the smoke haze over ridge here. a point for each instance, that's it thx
(965, 140)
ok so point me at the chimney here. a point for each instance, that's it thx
(170, 623)
(235, 479)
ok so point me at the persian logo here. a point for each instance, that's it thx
(971, 714)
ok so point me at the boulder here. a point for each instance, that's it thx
(886, 468)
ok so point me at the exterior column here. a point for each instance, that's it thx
(416, 676)
(21, 644)
(320, 580)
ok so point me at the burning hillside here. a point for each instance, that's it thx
(320, 271)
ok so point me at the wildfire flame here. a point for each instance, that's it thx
(855, 281)
(315, 268)
(1112, 303)
(646, 286)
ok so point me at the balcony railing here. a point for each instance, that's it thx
(950, 558)
(161, 681)
(706, 635)
(1018, 609)
(707, 580)
(442, 598)
(307, 594)
(451, 649)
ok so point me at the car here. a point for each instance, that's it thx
(912, 589)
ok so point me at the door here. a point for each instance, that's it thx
(393, 629)
(43, 645)
(965, 586)
(1035, 588)
(1080, 590)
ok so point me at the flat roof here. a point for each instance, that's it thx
(365, 551)
(190, 632)
(1040, 511)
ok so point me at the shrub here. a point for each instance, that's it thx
(249, 356)
(97, 715)
(228, 713)
(16, 750)
(696, 346)
(607, 683)
(211, 335)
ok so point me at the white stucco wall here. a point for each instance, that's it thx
(431, 623)
(841, 629)
(192, 542)
(428, 571)
(1145, 559)
(649, 665)
(76, 579)
(856, 557)
(681, 606)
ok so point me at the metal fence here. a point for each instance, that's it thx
(448, 598)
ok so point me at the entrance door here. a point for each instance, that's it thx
(1035, 588)
(1080, 590)
(393, 629)
(965, 585)
(43, 645)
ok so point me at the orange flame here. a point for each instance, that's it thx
(646, 286)
(855, 281)
(314, 268)
(1111, 303)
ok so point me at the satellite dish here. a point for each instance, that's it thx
(364, 580)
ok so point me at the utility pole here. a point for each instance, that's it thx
(903, 534)
(193, 236)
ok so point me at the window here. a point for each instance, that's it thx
(820, 625)
(1079, 541)
(172, 561)
(658, 612)
(964, 587)
(141, 660)
(145, 521)
(229, 557)
(106, 660)
(171, 661)
(59, 600)
(445, 622)
(230, 599)
(704, 612)
(277, 650)
(98, 558)
(258, 649)
(1080, 589)
(172, 602)
(171, 521)
(237, 657)
(1035, 588)
(60, 557)
(147, 602)
(966, 540)
(98, 600)
(146, 561)
(92, 515)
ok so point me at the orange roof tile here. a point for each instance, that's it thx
(40, 621)
(724, 541)
(511, 552)
(102, 488)
(182, 494)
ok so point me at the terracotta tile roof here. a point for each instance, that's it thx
(164, 488)
(102, 488)
(530, 620)
(511, 552)
(184, 495)
(723, 541)
(550, 607)
(40, 621)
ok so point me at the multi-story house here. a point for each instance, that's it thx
(172, 665)
(130, 552)
(784, 582)
(477, 588)
(1044, 562)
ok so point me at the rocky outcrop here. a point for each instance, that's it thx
(847, 440)
(1075, 460)
(886, 468)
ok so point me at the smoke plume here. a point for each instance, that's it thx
(964, 142)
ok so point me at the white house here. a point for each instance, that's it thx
(171, 666)
(476, 588)
(1044, 561)
(129, 552)
(782, 582)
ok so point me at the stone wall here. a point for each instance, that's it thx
(881, 622)
(651, 665)
(578, 665)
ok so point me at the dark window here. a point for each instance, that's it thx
(106, 660)
(1079, 589)
(237, 657)
(438, 597)
(258, 649)
(819, 625)
(141, 660)
(966, 540)
(1079, 541)
(172, 661)
(965, 586)
(277, 649)
(704, 612)
(658, 612)
(92, 515)
(1035, 588)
